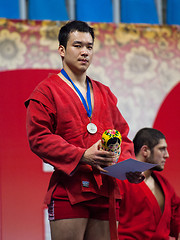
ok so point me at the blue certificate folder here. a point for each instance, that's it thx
(120, 169)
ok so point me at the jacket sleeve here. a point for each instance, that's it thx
(127, 146)
(175, 218)
(50, 147)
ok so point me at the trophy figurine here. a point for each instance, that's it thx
(111, 141)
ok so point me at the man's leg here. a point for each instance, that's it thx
(68, 229)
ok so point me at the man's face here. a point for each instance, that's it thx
(79, 51)
(158, 155)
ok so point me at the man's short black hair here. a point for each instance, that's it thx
(73, 26)
(147, 136)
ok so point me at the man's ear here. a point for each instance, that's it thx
(145, 151)
(61, 50)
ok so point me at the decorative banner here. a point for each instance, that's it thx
(140, 63)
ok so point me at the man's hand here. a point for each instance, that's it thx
(135, 177)
(98, 158)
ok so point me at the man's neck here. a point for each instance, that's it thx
(147, 174)
(78, 78)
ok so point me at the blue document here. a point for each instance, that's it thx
(120, 169)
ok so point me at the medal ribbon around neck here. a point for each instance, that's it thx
(88, 94)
